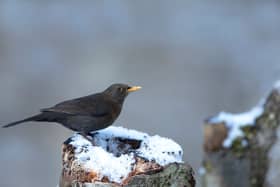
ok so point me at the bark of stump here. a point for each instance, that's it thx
(145, 173)
(254, 165)
(173, 175)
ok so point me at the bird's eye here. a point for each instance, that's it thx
(120, 89)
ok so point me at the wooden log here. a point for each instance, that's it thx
(146, 162)
(249, 159)
(175, 175)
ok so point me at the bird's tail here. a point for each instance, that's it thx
(33, 118)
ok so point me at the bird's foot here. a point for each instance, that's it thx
(86, 136)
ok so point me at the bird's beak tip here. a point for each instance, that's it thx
(134, 88)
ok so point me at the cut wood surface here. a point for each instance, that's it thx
(122, 157)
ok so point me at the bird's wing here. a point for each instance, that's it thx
(89, 106)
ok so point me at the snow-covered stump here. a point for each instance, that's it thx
(122, 157)
(244, 149)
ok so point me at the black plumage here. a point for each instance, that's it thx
(86, 114)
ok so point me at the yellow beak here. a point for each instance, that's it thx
(134, 88)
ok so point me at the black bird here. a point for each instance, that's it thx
(86, 114)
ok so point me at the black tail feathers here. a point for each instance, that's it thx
(33, 118)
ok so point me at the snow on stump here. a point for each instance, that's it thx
(244, 149)
(122, 157)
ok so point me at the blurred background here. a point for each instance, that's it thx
(192, 58)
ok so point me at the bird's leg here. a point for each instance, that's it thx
(87, 138)
(92, 134)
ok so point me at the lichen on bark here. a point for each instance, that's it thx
(247, 164)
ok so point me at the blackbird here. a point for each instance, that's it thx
(86, 114)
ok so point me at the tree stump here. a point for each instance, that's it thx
(243, 149)
(120, 157)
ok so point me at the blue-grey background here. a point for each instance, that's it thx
(193, 59)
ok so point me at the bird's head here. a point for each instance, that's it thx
(120, 91)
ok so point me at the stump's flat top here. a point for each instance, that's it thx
(234, 122)
(116, 152)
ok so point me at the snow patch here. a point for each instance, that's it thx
(118, 166)
(277, 85)
(122, 132)
(103, 162)
(202, 171)
(161, 150)
(234, 122)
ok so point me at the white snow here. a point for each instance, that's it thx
(103, 162)
(96, 158)
(202, 171)
(277, 85)
(234, 122)
(161, 150)
(122, 132)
